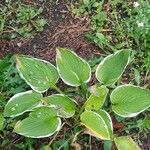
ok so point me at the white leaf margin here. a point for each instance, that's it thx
(111, 124)
(133, 142)
(41, 60)
(94, 133)
(27, 110)
(48, 135)
(109, 57)
(131, 114)
(53, 105)
(85, 62)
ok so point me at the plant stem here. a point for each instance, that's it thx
(80, 112)
(85, 92)
(58, 90)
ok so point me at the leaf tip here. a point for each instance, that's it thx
(18, 63)
(58, 53)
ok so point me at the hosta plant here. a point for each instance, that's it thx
(41, 116)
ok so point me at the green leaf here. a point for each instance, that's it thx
(97, 98)
(129, 100)
(39, 24)
(63, 104)
(73, 70)
(22, 102)
(25, 30)
(112, 67)
(42, 122)
(145, 124)
(39, 74)
(126, 143)
(1, 120)
(96, 124)
(107, 120)
(45, 147)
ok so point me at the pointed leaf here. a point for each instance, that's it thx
(126, 143)
(39, 74)
(42, 122)
(107, 120)
(63, 104)
(1, 120)
(95, 124)
(112, 67)
(73, 70)
(97, 98)
(129, 100)
(22, 102)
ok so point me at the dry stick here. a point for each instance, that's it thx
(54, 137)
(90, 141)
(8, 31)
(145, 78)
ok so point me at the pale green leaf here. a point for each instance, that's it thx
(1, 120)
(73, 70)
(45, 147)
(39, 74)
(42, 122)
(95, 124)
(107, 120)
(97, 98)
(22, 102)
(112, 67)
(64, 105)
(125, 143)
(129, 100)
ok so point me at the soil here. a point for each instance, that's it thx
(63, 30)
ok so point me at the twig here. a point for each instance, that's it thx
(54, 137)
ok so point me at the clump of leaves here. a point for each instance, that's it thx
(10, 81)
(46, 113)
(17, 18)
(86, 7)
(139, 29)
(101, 41)
(92, 8)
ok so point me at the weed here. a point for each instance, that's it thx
(10, 81)
(17, 18)
(120, 25)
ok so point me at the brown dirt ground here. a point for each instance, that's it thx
(62, 31)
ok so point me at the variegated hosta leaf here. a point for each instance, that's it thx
(39, 74)
(73, 70)
(63, 104)
(97, 124)
(97, 98)
(1, 120)
(129, 100)
(107, 120)
(112, 67)
(42, 122)
(125, 143)
(22, 102)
